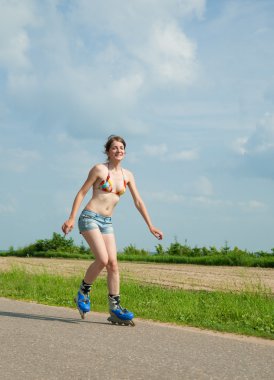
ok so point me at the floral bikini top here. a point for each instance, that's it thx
(106, 185)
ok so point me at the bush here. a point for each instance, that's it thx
(159, 249)
(132, 250)
(176, 249)
(57, 246)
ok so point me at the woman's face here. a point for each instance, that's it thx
(116, 151)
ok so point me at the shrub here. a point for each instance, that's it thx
(176, 249)
(59, 244)
(132, 250)
(159, 249)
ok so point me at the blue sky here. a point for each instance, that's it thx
(188, 84)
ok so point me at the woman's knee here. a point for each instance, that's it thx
(102, 262)
(112, 266)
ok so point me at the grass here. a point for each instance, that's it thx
(250, 312)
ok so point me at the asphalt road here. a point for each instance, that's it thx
(44, 342)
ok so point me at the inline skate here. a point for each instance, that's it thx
(82, 302)
(119, 315)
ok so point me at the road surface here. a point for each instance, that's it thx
(44, 342)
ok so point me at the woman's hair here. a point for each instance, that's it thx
(110, 140)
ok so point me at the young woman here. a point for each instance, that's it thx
(109, 181)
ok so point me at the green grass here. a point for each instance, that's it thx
(250, 312)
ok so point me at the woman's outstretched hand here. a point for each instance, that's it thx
(68, 226)
(157, 233)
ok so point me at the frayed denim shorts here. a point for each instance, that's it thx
(90, 220)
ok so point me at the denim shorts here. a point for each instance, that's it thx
(90, 220)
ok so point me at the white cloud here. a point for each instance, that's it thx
(155, 150)
(184, 155)
(203, 200)
(189, 7)
(165, 197)
(252, 205)
(130, 20)
(73, 159)
(262, 140)
(239, 145)
(14, 40)
(168, 54)
(204, 186)
(162, 152)
(127, 87)
(8, 207)
(246, 205)
(258, 148)
(17, 160)
(62, 63)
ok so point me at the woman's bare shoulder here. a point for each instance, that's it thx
(99, 167)
(97, 170)
(128, 174)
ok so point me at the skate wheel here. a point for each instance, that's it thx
(121, 323)
(82, 314)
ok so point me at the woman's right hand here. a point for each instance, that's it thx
(68, 226)
(157, 233)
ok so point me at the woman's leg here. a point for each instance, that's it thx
(113, 277)
(96, 242)
(117, 313)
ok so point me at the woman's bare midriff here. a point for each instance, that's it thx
(102, 203)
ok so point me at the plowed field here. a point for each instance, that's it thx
(195, 277)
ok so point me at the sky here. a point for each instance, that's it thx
(189, 84)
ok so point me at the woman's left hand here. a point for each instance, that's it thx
(68, 226)
(157, 233)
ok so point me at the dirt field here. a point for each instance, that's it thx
(171, 275)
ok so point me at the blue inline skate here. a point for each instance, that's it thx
(83, 303)
(119, 315)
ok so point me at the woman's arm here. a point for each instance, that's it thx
(141, 206)
(92, 177)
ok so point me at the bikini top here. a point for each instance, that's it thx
(106, 185)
